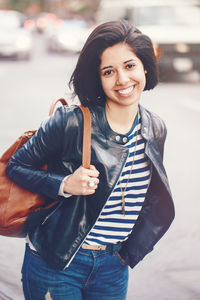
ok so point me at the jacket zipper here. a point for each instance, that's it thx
(97, 216)
(49, 215)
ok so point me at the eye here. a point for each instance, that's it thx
(130, 66)
(107, 72)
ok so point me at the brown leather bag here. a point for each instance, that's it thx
(16, 203)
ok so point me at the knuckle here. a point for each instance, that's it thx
(83, 184)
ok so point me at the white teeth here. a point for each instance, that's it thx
(126, 91)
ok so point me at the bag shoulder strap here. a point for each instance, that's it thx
(53, 105)
(86, 151)
(86, 158)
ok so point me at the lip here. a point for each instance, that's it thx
(126, 92)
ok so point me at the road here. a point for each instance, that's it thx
(172, 270)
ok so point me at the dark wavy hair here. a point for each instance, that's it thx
(85, 78)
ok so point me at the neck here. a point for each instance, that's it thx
(121, 118)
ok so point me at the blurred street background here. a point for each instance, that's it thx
(39, 46)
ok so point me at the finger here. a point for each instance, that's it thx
(92, 172)
(90, 191)
(92, 188)
(93, 181)
(92, 167)
(91, 178)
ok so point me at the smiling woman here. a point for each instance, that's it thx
(125, 75)
(87, 70)
(123, 80)
(111, 215)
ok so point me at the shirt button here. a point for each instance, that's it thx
(117, 138)
(125, 140)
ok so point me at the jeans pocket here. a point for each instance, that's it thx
(34, 253)
(122, 261)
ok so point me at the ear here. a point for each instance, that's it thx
(145, 71)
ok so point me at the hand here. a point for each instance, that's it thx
(77, 183)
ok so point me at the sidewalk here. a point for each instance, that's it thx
(11, 257)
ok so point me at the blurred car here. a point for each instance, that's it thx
(29, 24)
(15, 40)
(70, 36)
(174, 30)
(173, 27)
(46, 21)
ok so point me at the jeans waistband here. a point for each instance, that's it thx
(112, 247)
(108, 248)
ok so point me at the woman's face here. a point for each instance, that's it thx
(122, 75)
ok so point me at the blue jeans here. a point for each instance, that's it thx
(92, 275)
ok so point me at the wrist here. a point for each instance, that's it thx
(66, 184)
(62, 191)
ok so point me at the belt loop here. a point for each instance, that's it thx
(116, 247)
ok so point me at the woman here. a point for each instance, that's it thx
(110, 216)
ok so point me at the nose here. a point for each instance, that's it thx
(122, 77)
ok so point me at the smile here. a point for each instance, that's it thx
(127, 91)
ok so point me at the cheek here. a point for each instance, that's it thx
(106, 85)
(144, 81)
(141, 79)
(103, 84)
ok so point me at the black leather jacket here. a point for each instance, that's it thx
(57, 233)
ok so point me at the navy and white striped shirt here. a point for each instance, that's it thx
(112, 226)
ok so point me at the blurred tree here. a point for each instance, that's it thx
(88, 8)
(84, 8)
(23, 4)
(75, 8)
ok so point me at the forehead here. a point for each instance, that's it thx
(118, 53)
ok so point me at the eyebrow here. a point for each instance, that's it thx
(125, 62)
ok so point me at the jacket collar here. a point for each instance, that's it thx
(146, 129)
(122, 139)
(111, 135)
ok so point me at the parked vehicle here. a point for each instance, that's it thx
(68, 37)
(15, 40)
(172, 25)
(46, 21)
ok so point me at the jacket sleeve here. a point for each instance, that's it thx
(25, 167)
(161, 137)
